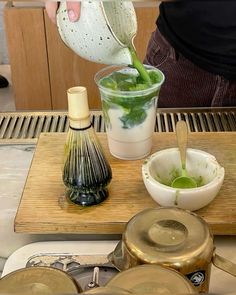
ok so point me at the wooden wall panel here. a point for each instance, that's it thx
(146, 17)
(25, 33)
(67, 69)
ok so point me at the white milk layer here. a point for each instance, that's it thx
(133, 143)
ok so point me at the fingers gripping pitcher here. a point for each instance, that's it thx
(103, 32)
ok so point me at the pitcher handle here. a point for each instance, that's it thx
(224, 264)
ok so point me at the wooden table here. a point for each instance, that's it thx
(43, 208)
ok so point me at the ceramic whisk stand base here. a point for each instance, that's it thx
(86, 198)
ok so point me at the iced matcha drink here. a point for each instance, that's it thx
(129, 105)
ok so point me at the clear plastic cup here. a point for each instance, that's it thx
(129, 114)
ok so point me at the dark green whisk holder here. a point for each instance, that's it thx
(86, 171)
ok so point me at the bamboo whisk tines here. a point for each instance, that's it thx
(86, 171)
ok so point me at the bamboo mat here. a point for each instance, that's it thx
(44, 209)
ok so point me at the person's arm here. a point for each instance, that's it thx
(73, 10)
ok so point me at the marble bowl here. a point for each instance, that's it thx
(162, 167)
(102, 32)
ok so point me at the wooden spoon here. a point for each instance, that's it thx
(183, 181)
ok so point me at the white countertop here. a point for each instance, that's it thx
(15, 162)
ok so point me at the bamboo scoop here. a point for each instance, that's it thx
(183, 181)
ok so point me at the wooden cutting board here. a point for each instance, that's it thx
(44, 209)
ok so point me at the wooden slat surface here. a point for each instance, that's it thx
(43, 208)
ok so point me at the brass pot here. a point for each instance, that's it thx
(107, 290)
(39, 280)
(173, 238)
(152, 279)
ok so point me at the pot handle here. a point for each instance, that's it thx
(224, 264)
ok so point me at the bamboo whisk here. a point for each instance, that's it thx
(86, 171)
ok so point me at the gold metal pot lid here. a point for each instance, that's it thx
(170, 235)
(108, 290)
(38, 280)
(152, 279)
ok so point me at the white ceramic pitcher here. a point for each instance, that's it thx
(103, 32)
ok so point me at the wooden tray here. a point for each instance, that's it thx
(43, 208)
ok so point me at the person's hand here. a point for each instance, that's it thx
(73, 10)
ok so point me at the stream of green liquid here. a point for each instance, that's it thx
(136, 63)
